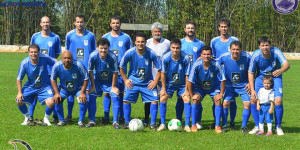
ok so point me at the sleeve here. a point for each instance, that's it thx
(124, 60)
(192, 76)
(58, 46)
(221, 74)
(83, 71)
(32, 39)
(54, 72)
(68, 42)
(130, 43)
(213, 48)
(187, 65)
(91, 63)
(252, 64)
(115, 63)
(271, 96)
(93, 43)
(164, 65)
(279, 55)
(21, 72)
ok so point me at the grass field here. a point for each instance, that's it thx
(72, 137)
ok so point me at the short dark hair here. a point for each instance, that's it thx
(103, 41)
(224, 20)
(264, 39)
(140, 34)
(115, 17)
(35, 46)
(237, 43)
(206, 48)
(268, 78)
(190, 22)
(176, 41)
(80, 16)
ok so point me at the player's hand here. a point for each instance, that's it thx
(152, 84)
(199, 58)
(92, 89)
(114, 90)
(57, 98)
(162, 93)
(186, 93)
(258, 107)
(277, 73)
(128, 83)
(253, 96)
(248, 90)
(196, 97)
(82, 98)
(271, 111)
(217, 97)
(20, 98)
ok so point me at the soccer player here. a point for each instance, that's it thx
(221, 45)
(80, 42)
(175, 70)
(160, 46)
(37, 85)
(192, 47)
(267, 60)
(120, 42)
(236, 63)
(140, 79)
(73, 81)
(105, 64)
(205, 77)
(49, 44)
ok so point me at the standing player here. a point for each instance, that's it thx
(160, 46)
(120, 42)
(140, 79)
(73, 81)
(221, 45)
(80, 42)
(192, 47)
(267, 60)
(205, 78)
(105, 63)
(37, 85)
(175, 71)
(49, 44)
(236, 64)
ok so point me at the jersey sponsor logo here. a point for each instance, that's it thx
(44, 51)
(120, 43)
(80, 54)
(50, 43)
(74, 75)
(195, 49)
(85, 42)
(175, 77)
(273, 63)
(191, 58)
(206, 84)
(104, 75)
(141, 73)
(38, 81)
(116, 51)
(242, 66)
(70, 86)
(146, 62)
(268, 72)
(235, 77)
(285, 6)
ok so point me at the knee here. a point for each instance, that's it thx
(186, 99)
(106, 94)
(20, 103)
(278, 101)
(50, 102)
(154, 103)
(126, 102)
(226, 104)
(163, 99)
(218, 103)
(247, 105)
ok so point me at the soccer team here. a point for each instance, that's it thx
(157, 68)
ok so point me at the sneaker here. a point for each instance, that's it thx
(126, 126)
(161, 127)
(29, 122)
(40, 122)
(244, 129)
(224, 129)
(153, 126)
(269, 133)
(68, 119)
(121, 121)
(187, 128)
(254, 130)
(91, 124)
(212, 126)
(25, 122)
(116, 125)
(104, 122)
(260, 132)
(232, 126)
(81, 124)
(61, 123)
(194, 128)
(146, 122)
(199, 125)
(218, 129)
(46, 121)
(55, 119)
(279, 131)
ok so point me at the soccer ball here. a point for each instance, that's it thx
(174, 125)
(136, 125)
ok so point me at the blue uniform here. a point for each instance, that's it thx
(219, 47)
(192, 49)
(38, 81)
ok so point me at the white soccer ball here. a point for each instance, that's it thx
(136, 125)
(174, 125)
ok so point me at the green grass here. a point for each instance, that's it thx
(72, 137)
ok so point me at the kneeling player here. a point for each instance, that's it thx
(73, 82)
(37, 85)
(175, 71)
(105, 63)
(206, 75)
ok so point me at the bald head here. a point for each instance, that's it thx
(67, 59)
(67, 54)
(45, 23)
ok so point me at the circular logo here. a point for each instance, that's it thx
(285, 6)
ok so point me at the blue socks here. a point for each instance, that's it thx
(70, 105)
(127, 112)
(225, 116)
(233, 108)
(179, 108)
(199, 112)
(32, 107)
(92, 107)
(218, 113)
(60, 111)
(82, 111)
(23, 109)
(194, 114)
(162, 112)
(187, 113)
(246, 115)
(278, 115)
(255, 114)
(48, 110)
(153, 113)
(116, 107)
(106, 106)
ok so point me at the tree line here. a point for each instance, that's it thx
(250, 19)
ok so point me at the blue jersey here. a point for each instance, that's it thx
(219, 47)
(72, 79)
(104, 68)
(140, 70)
(81, 46)
(176, 71)
(236, 72)
(37, 75)
(206, 79)
(50, 45)
(265, 66)
(192, 49)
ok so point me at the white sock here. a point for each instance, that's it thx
(269, 125)
(27, 115)
(46, 116)
(261, 126)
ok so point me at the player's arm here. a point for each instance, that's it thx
(251, 85)
(258, 104)
(92, 88)
(82, 96)
(271, 107)
(20, 94)
(56, 97)
(128, 82)
(154, 83)
(284, 68)
(114, 88)
(186, 91)
(163, 84)
(220, 95)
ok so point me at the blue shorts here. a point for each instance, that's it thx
(264, 114)
(212, 92)
(171, 90)
(30, 94)
(121, 84)
(231, 93)
(277, 87)
(65, 94)
(131, 95)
